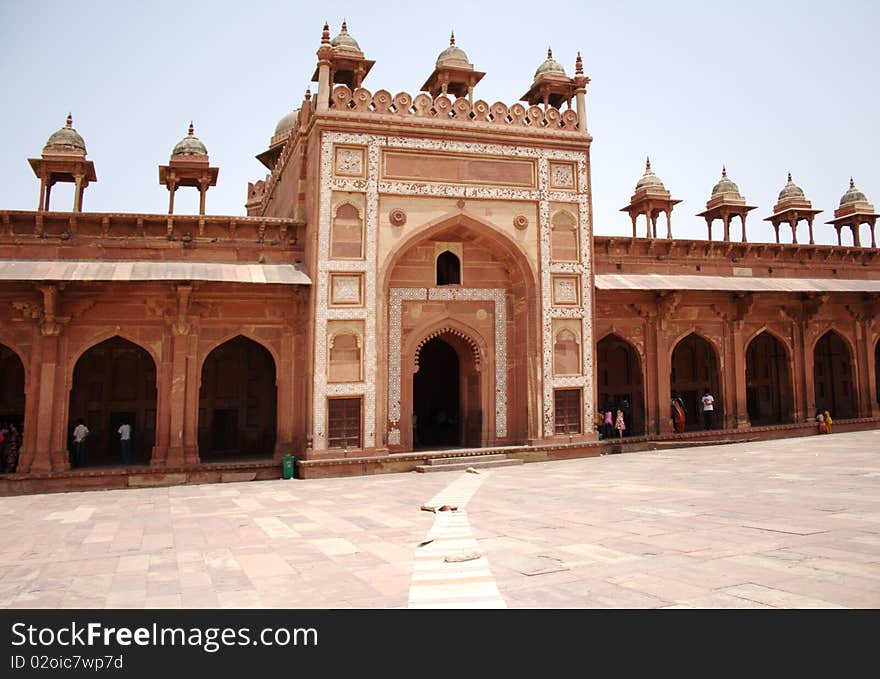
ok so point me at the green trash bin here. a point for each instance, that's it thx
(288, 465)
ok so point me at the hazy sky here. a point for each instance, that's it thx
(765, 87)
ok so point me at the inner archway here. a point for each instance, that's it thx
(11, 388)
(237, 402)
(447, 410)
(620, 381)
(833, 376)
(768, 381)
(114, 383)
(695, 371)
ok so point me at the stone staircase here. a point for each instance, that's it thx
(453, 464)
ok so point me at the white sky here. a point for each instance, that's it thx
(765, 87)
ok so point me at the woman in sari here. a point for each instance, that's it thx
(678, 418)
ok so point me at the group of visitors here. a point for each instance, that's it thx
(614, 417)
(823, 419)
(10, 443)
(81, 433)
(679, 415)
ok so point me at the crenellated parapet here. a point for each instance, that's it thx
(454, 111)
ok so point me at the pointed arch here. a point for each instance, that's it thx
(834, 384)
(769, 390)
(238, 400)
(620, 380)
(13, 381)
(112, 381)
(694, 371)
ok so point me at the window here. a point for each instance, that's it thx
(568, 411)
(448, 269)
(344, 422)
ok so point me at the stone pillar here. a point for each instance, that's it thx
(726, 219)
(164, 380)
(669, 224)
(742, 219)
(856, 236)
(865, 368)
(809, 387)
(44, 364)
(581, 109)
(663, 371)
(172, 189)
(709, 227)
(794, 223)
(177, 400)
(810, 225)
(633, 218)
(77, 193)
(323, 85)
(203, 190)
(738, 352)
(284, 380)
(191, 400)
(44, 195)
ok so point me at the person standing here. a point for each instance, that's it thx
(619, 423)
(13, 442)
(708, 402)
(124, 432)
(80, 432)
(828, 421)
(624, 406)
(678, 416)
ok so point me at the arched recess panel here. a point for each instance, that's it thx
(695, 369)
(769, 398)
(620, 380)
(833, 376)
(237, 402)
(114, 383)
(11, 388)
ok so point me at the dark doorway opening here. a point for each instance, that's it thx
(768, 382)
(114, 383)
(620, 382)
(695, 371)
(877, 369)
(11, 388)
(437, 397)
(237, 402)
(833, 376)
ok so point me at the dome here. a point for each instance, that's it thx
(288, 122)
(791, 190)
(452, 53)
(852, 195)
(649, 179)
(66, 138)
(550, 67)
(345, 40)
(725, 185)
(190, 145)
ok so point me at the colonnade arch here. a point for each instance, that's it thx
(833, 376)
(769, 396)
(237, 415)
(12, 378)
(620, 380)
(694, 371)
(113, 383)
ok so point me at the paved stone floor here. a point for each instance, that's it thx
(781, 524)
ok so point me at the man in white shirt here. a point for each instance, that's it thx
(124, 432)
(708, 409)
(80, 432)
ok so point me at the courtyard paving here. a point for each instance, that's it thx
(780, 524)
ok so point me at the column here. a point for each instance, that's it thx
(172, 189)
(709, 227)
(323, 85)
(191, 405)
(581, 109)
(284, 379)
(726, 219)
(738, 352)
(872, 409)
(669, 224)
(77, 193)
(663, 372)
(793, 223)
(633, 218)
(44, 195)
(810, 224)
(742, 219)
(203, 190)
(855, 232)
(866, 385)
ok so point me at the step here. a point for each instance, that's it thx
(470, 459)
(461, 466)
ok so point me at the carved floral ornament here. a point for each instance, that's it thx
(521, 222)
(397, 217)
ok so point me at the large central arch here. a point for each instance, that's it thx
(769, 397)
(493, 269)
(11, 387)
(114, 383)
